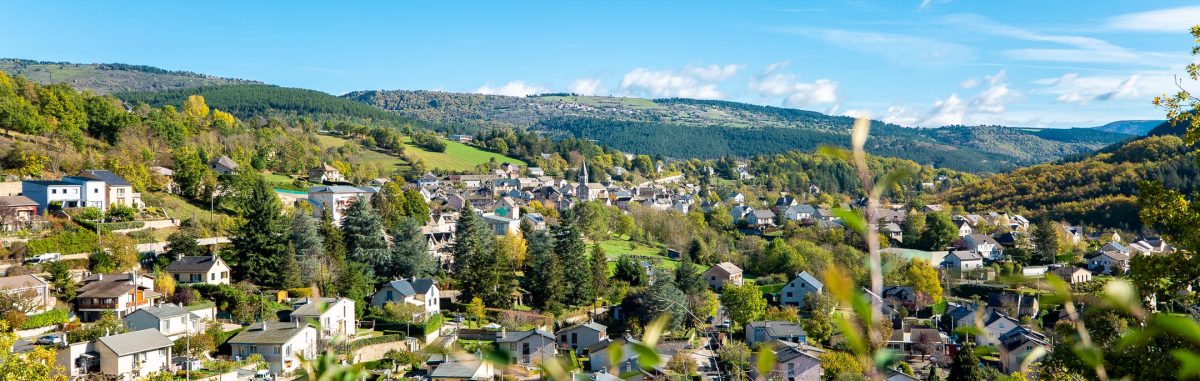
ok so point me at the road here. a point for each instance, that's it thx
(23, 345)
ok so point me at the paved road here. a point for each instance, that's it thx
(23, 345)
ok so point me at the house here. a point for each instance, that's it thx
(760, 218)
(958, 315)
(1017, 345)
(801, 212)
(120, 294)
(325, 174)
(281, 344)
(199, 269)
(337, 198)
(335, 316)
(1073, 275)
(91, 192)
(416, 291)
(116, 191)
(995, 326)
(502, 225)
(794, 293)
(898, 296)
(983, 245)
(463, 369)
(1015, 304)
(429, 180)
(223, 165)
(770, 331)
(527, 348)
(171, 320)
(795, 362)
(165, 177)
(133, 355)
(723, 273)
(18, 213)
(961, 260)
(896, 374)
(600, 360)
(913, 340)
(52, 194)
(580, 337)
(33, 290)
(1150, 245)
(1108, 262)
(964, 227)
(1073, 233)
(536, 171)
(461, 138)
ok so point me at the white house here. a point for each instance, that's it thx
(962, 260)
(983, 245)
(580, 337)
(794, 292)
(115, 190)
(171, 320)
(52, 192)
(417, 291)
(463, 369)
(337, 198)
(335, 316)
(92, 193)
(1108, 262)
(528, 348)
(133, 355)
(199, 269)
(223, 165)
(325, 173)
(31, 288)
(795, 362)
(281, 344)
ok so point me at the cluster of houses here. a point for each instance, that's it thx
(23, 203)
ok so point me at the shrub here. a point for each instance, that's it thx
(45, 319)
(300, 292)
(70, 240)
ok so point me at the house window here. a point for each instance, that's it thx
(389, 295)
(789, 294)
(791, 370)
(574, 337)
(54, 191)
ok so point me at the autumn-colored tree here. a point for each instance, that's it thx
(195, 110)
(39, 364)
(924, 279)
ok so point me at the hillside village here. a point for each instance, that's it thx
(968, 295)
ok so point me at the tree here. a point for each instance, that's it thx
(196, 111)
(682, 363)
(118, 255)
(939, 231)
(39, 364)
(410, 251)
(966, 365)
(743, 304)
(913, 229)
(661, 298)
(183, 243)
(784, 313)
(60, 279)
(688, 278)
(544, 274)
(477, 268)
(476, 309)
(1045, 242)
(837, 364)
(511, 249)
(924, 279)
(599, 266)
(190, 171)
(736, 356)
(362, 230)
(568, 245)
(260, 243)
(306, 241)
(819, 325)
(357, 282)
(630, 270)
(164, 283)
(415, 206)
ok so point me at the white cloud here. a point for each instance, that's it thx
(987, 106)
(901, 115)
(857, 113)
(512, 89)
(1170, 20)
(1073, 48)
(1074, 88)
(587, 86)
(946, 112)
(1126, 90)
(691, 82)
(900, 49)
(772, 82)
(969, 83)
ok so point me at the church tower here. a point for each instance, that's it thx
(583, 172)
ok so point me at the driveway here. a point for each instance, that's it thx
(23, 345)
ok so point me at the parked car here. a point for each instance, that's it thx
(50, 340)
(262, 375)
(44, 258)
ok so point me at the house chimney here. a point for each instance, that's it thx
(297, 321)
(503, 332)
(99, 276)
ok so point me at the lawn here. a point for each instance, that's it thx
(614, 249)
(458, 156)
(179, 208)
(387, 161)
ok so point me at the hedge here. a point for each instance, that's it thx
(66, 241)
(357, 344)
(109, 226)
(45, 319)
(384, 323)
(300, 292)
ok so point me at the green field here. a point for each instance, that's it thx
(458, 156)
(614, 249)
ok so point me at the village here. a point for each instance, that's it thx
(134, 324)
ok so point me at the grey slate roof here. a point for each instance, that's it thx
(521, 335)
(456, 369)
(276, 333)
(313, 307)
(808, 278)
(105, 176)
(17, 201)
(408, 287)
(779, 328)
(136, 341)
(165, 311)
(192, 264)
(592, 325)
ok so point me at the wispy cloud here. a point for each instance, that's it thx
(587, 86)
(897, 48)
(1169, 20)
(512, 89)
(690, 82)
(1080, 89)
(1071, 48)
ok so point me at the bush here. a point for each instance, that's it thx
(300, 292)
(45, 319)
(70, 240)
(15, 319)
(121, 213)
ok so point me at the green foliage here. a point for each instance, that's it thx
(69, 240)
(939, 231)
(362, 230)
(543, 273)
(479, 272)
(259, 245)
(45, 319)
(410, 253)
(743, 304)
(569, 247)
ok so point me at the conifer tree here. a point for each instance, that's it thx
(410, 251)
(476, 264)
(544, 273)
(599, 261)
(568, 245)
(259, 245)
(687, 278)
(362, 230)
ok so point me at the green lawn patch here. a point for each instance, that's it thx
(458, 156)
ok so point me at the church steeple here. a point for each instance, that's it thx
(583, 172)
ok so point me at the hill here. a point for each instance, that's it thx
(685, 128)
(110, 78)
(1131, 127)
(1099, 188)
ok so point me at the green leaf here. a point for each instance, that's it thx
(765, 361)
(655, 329)
(1180, 325)
(836, 153)
(616, 353)
(498, 357)
(1190, 363)
(885, 359)
(852, 335)
(851, 219)
(1088, 354)
(892, 178)
(647, 357)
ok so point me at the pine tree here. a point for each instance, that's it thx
(362, 230)
(966, 366)
(476, 264)
(306, 240)
(335, 246)
(289, 273)
(687, 278)
(698, 251)
(570, 250)
(1045, 242)
(599, 261)
(259, 245)
(544, 274)
(410, 252)
(356, 281)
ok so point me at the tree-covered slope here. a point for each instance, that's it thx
(1132, 127)
(1099, 188)
(109, 78)
(684, 128)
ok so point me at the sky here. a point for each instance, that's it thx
(922, 63)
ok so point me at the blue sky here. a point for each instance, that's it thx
(915, 63)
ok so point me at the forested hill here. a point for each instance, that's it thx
(1132, 127)
(248, 101)
(1099, 189)
(109, 78)
(684, 128)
